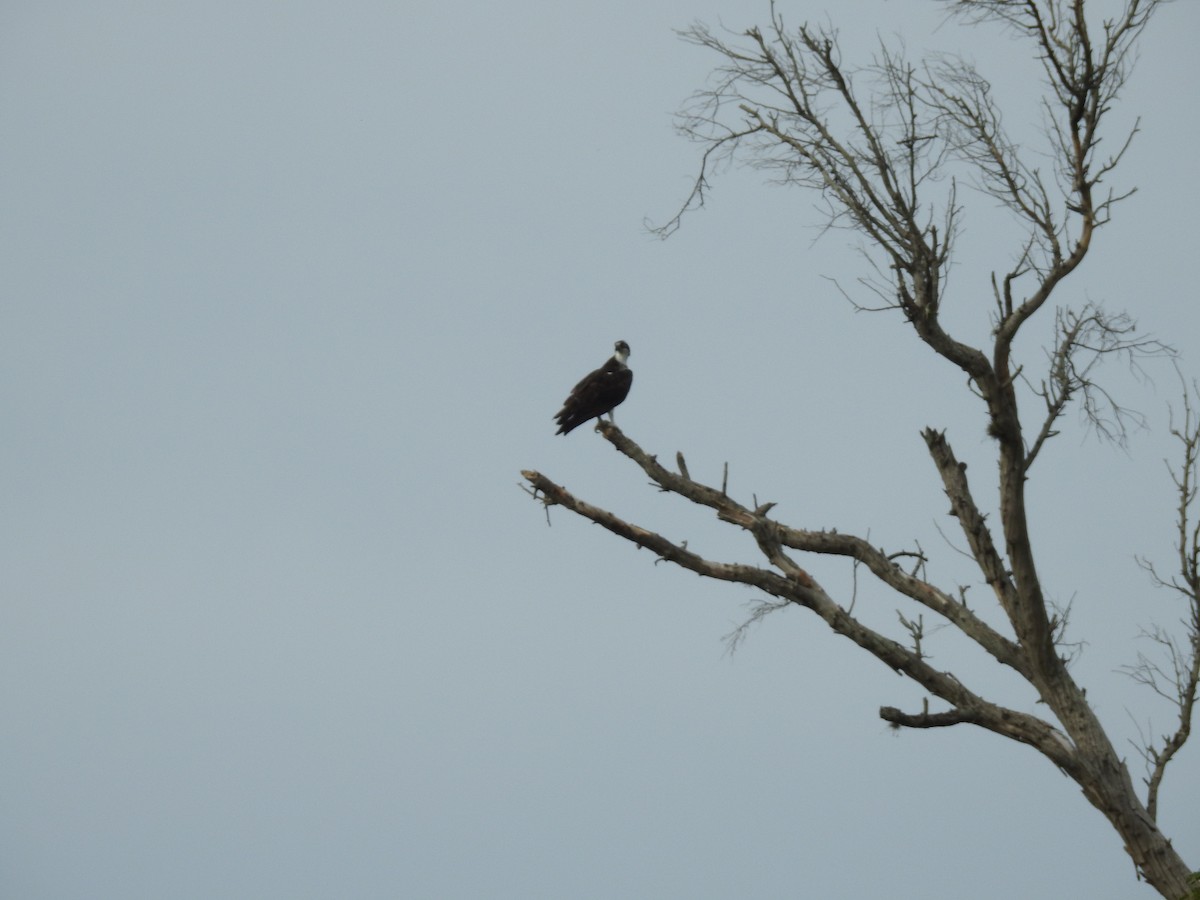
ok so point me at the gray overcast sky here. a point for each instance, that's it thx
(290, 293)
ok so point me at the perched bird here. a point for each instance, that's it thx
(598, 393)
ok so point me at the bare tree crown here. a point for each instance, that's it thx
(884, 148)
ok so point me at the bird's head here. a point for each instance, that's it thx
(621, 352)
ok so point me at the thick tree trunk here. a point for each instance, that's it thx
(1112, 792)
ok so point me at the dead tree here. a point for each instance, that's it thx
(782, 99)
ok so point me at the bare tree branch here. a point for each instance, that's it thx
(1084, 340)
(1177, 677)
(788, 581)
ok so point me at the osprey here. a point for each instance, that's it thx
(598, 393)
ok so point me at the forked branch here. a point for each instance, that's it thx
(786, 580)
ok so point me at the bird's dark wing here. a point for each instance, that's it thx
(596, 394)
